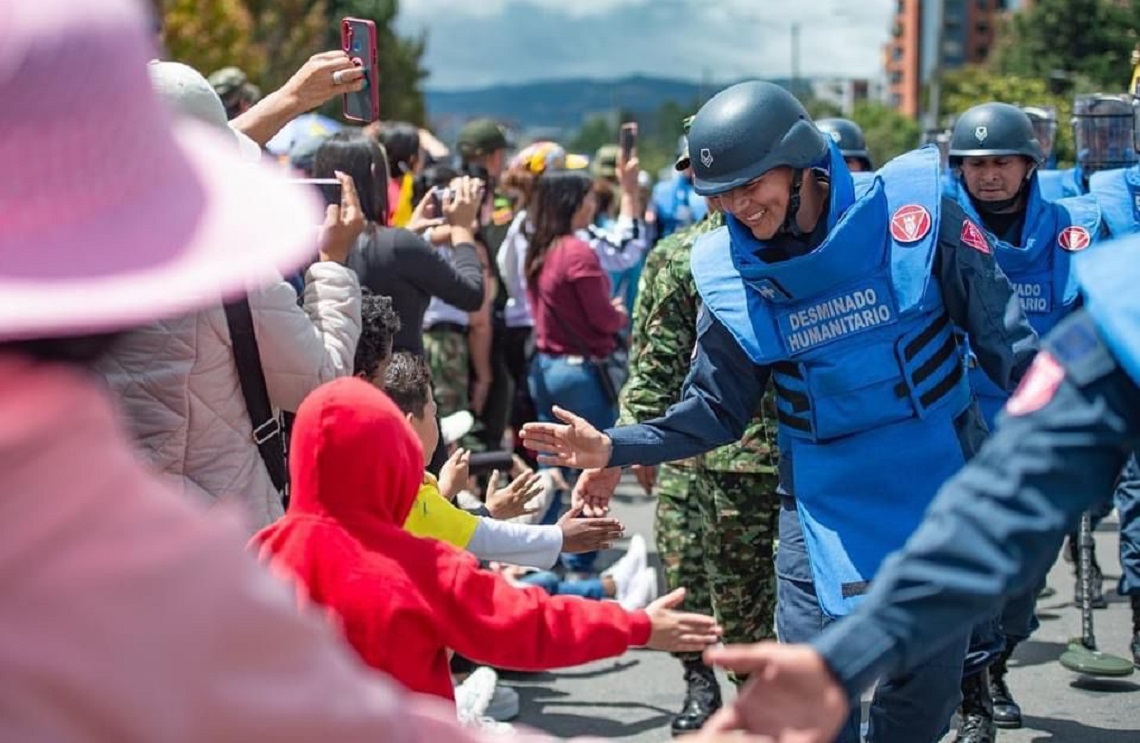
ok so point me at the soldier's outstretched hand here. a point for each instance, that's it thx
(572, 443)
(791, 695)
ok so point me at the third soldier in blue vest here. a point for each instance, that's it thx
(1104, 135)
(994, 156)
(849, 300)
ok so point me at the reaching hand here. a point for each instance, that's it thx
(594, 490)
(791, 695)
(455, 473)
(646, 477)
(587, 535)
(679, 632)
(576, 444)
(511, 501)
(424, 216)
(314, 83)
(343, 223)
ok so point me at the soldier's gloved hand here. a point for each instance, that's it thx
(594, 489)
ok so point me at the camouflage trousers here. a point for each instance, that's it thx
(715, 534)
(447, 357)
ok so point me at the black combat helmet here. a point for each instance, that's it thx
(992, 130)
(746, 130)
(848, 137)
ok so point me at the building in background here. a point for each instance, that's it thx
(928, 35)
(844, 92)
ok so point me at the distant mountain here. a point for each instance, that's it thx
(559, 104)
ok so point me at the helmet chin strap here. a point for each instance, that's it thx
(791, 225)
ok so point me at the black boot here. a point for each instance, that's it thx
(1135, 598)
(977, 710)
(702, 698)
(1007, 713)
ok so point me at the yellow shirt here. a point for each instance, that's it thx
(435, 517)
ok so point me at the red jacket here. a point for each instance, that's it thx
(402, 601)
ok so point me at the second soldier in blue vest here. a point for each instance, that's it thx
(994, 156)
(848, 300)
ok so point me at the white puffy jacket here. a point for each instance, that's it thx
(178, 388)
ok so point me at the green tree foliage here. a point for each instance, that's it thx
(596, 131)
(1092, 39)
(271, 39)
(210, 34)
(888, 132)
(969, 86)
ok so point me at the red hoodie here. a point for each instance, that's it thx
(403, 601)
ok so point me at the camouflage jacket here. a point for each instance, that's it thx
(664, 333)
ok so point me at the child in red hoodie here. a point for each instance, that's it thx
(355, 468)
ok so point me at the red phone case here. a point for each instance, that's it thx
(365, 105)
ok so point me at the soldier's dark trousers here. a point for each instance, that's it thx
(915, 708)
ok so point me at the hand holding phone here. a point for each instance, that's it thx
(628, 140)
(358, 40)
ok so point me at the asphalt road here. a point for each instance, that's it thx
(633, 698)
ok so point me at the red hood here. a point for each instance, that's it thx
(354, 457)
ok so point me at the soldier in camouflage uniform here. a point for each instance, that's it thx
(716, 514)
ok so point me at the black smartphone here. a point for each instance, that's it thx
(628, 139)
(485, 462)
(358, 40)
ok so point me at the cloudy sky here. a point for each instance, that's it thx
(473, 43)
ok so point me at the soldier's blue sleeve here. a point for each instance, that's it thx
(980, 301)
(996, 527)
(721, 391)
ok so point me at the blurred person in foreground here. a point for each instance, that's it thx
(128, 614)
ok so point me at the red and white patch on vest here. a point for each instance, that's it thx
(910, 223)
(1074, 239)
(1038, 386)
(972, 236)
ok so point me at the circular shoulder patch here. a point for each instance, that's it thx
(910, 223)
(1074, 238)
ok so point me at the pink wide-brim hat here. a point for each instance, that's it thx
(112, 214)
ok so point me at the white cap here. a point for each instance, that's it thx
(456, 426)
(186, 92)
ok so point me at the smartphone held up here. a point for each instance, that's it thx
(358, 40)
(628, 140)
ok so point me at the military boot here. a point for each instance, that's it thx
(977, 724)
(1007, 713)
(702, 698)
(1135, 598)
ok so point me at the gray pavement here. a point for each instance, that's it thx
(633, 698)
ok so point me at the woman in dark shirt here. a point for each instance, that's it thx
(396, 263)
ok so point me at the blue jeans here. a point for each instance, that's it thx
(916, 708)
(549, 582)
(573, 384)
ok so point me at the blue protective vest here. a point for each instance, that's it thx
(1060, 184)
(868, 374)
(1039, 268)
(1109, 274)
(678, 205)
(1118, 193)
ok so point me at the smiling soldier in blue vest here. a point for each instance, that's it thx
(848, 301)
(994, 156)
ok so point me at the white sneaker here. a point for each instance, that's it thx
(635, 559)
(473, 696)
(504, 704)
(641, 591)
(489, 726)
